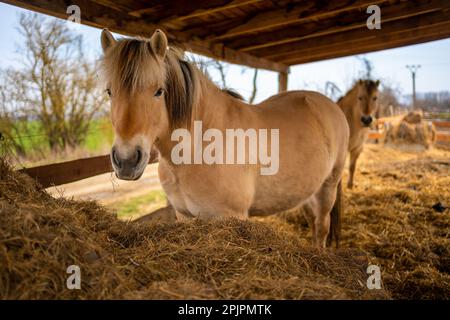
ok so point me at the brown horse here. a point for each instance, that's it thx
(359, 105)
(159, 100)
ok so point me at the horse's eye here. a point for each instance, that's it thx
(108, 91)
(359, 98)
(374, 98)
(159, 92)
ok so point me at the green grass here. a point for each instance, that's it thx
(100, 133)
(34, 141)
(140, 205)
(31, 136)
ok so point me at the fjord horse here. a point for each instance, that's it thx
(359, 105)
(154, 91)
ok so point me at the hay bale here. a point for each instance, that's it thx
(411, 132)
(413, 117)
(41, 236)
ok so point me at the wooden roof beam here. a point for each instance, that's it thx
(409, 37)
(180, 10)
(99, 16)
(334, 55)
(220, 52)
(342, 22)
(299, 12)
(116, 5)
(345, 38)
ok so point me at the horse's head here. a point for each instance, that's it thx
(367, 98)
(136, 73)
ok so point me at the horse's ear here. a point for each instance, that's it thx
(107, 40)
(159, 43)
(360, 81)
(377, 83)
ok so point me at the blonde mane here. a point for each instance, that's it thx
(131, 65)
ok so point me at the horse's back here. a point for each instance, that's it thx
(308, 110)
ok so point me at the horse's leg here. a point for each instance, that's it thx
(354, 155)
(310, 215)
(182, 216)
(325, 200)
(165, 214)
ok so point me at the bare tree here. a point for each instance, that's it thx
(220, 67)
(208, 66)
(11, 128)
(367, 71)
(56, 84)
(255, 87)
(332, 90)
(389, 99)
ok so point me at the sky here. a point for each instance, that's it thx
(389, 65)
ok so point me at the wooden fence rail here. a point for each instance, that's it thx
(56, 174)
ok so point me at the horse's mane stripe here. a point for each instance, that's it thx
(181, 86)
(233, 93)
(371, 85)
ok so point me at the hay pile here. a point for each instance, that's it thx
(393, 215)
(41, 236)
(411, 132)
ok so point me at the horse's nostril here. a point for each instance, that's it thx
(366, 120)
(115, 158)
(138, 156)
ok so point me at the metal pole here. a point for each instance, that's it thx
(413, 68)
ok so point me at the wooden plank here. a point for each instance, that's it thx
(432, 24)
(346, 38)
(443, 136)
(373, 135)
(440, 136)
(75, 170)
(207, 9)
(116, 5)
(341, 22)
(282, 81)
(438, 123)
(437, 32)
(100, 16)
(441, 123)
(180, 10)
(218, 51)
(300, 12)
(377, 47)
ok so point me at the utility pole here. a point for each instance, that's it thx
(413, 68)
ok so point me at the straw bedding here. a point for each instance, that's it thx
(399, 215)
(41, 236)
(396, 217)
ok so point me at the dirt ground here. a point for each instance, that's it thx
(107, 189)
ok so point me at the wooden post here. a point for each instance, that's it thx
(282, 81)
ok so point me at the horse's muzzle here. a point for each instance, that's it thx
(131, 167)
(366, 120)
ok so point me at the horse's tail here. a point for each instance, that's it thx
(335, 218)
